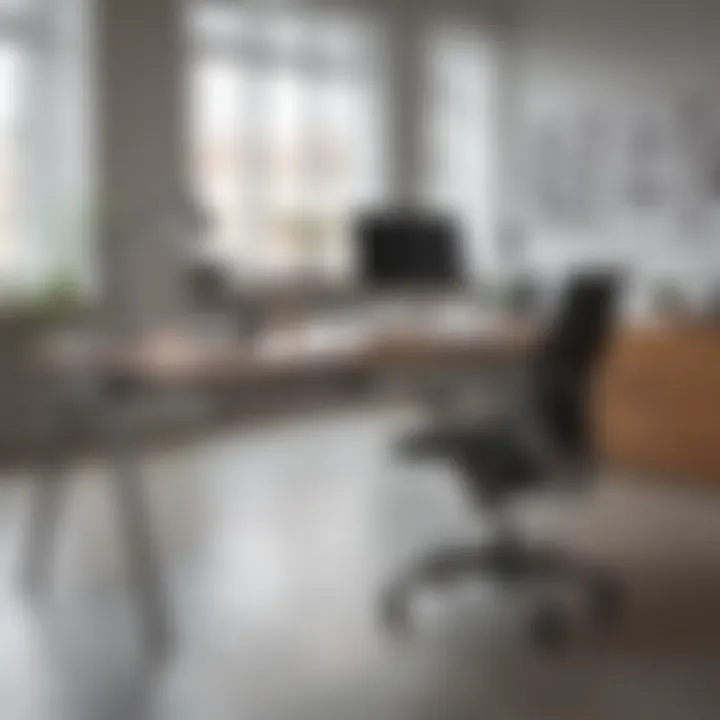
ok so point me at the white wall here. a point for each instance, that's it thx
(623, 60)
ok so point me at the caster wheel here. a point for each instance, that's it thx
(605, 602)
(550, 629)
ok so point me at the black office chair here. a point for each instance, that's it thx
(548, 432)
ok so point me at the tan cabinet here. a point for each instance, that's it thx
(658, 401)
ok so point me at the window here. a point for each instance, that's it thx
(12, 231)
(45, 146)
(462, 94)
(286, 135)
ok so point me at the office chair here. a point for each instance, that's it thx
(504, 457)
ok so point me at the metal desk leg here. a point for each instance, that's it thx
(134, 517)
(49, 489)
(38, 554)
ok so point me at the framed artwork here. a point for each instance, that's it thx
(568, 169)
(646, 171)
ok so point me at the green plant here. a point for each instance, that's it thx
(63, 290)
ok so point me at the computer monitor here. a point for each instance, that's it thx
(408, 250)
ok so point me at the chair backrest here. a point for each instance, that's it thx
(562, 371)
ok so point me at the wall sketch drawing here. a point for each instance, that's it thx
(659, 162)
(567, 169)
(592, 155)
(647, 154)
(547, 169)
(698, 127)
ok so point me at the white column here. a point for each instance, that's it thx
(508, 158)
(60, 145)
(406, 107)
(141, 77)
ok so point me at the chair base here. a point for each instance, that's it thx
(510, 563)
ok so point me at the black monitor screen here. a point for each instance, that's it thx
(397, 250)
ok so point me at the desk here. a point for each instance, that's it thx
(109, 378)
(179, 359)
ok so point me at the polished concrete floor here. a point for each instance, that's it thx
(275, 543)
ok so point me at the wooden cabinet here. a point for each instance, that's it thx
(657, 405)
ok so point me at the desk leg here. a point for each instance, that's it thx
(49, 489)
(46, 504)
(134, 518)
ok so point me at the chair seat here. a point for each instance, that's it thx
(496, 459)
